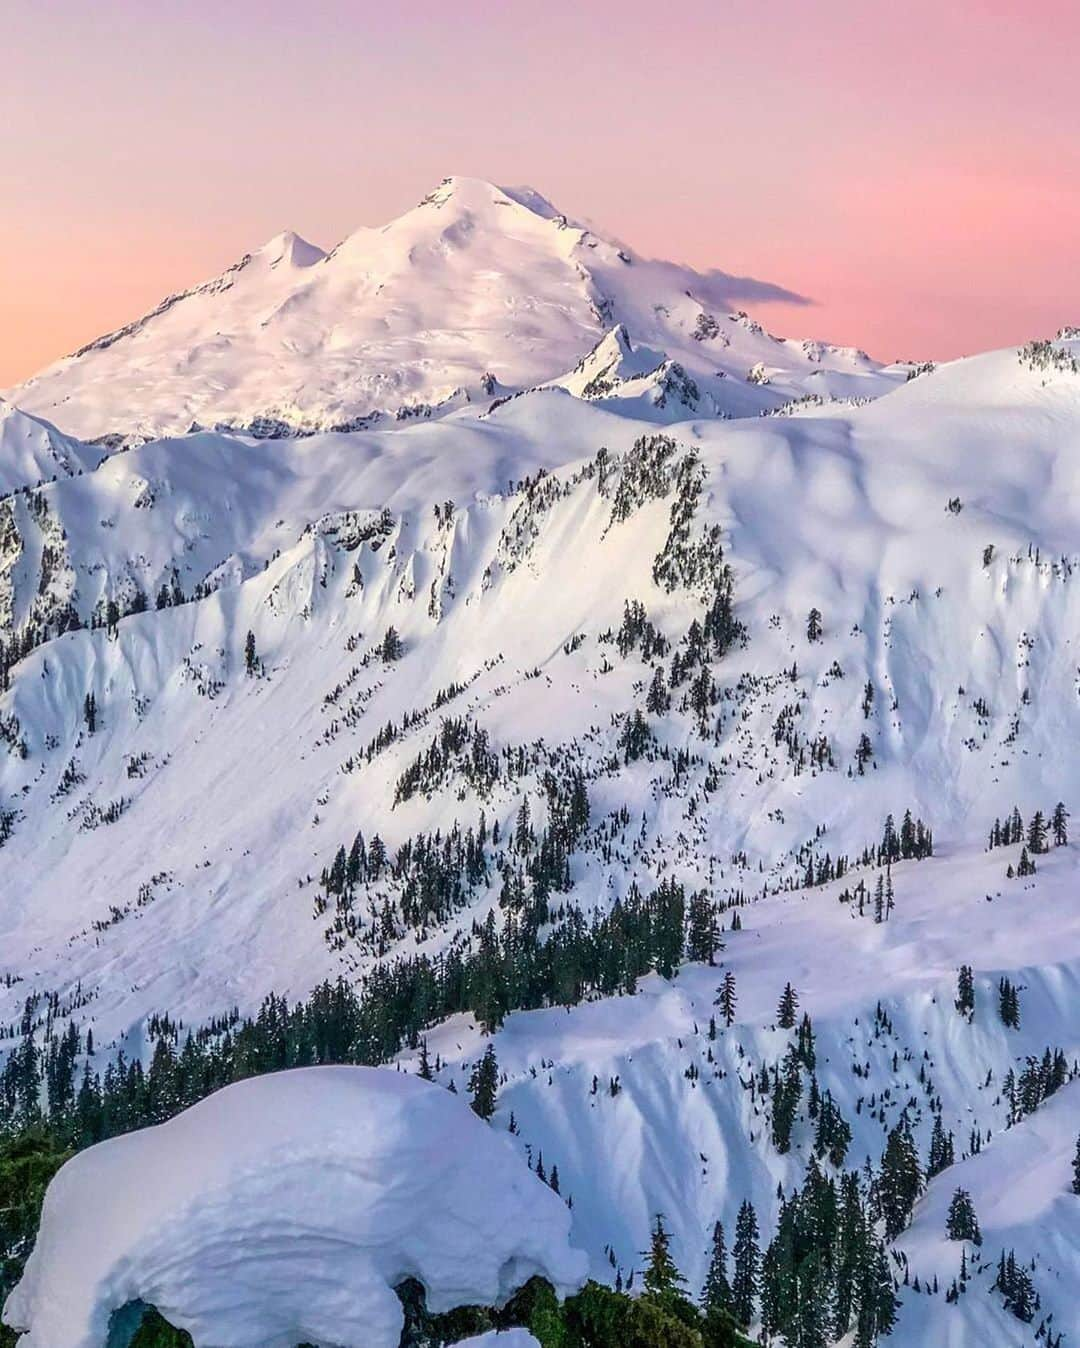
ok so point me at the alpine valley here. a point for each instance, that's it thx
(482, 653)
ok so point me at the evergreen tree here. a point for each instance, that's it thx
(746, 1264)
(961, 1222)
(1008, 1004)
(785, 1012)
(662, 1280)
(813, 625)
(900, 1179)
(727, 998)
(1059, 825)
(1076, 1169)
(90, 713)
(717, 1294)
(484, 1084)
(251, 660)
(942, 1149)
(965, 991)
(1036, 839)
(391, 647)
(703, 931)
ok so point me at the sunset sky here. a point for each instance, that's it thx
(914, 169)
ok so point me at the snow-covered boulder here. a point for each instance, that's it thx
(285, 1209)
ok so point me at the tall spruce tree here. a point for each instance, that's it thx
(716, 1293)
(961, 1222)
(746, 1264)
(899, 1180)
(484, 1084)
(785, 1012)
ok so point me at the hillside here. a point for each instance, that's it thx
(286, 709)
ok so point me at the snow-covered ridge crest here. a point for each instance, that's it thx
(476, 286)
(286, 1209)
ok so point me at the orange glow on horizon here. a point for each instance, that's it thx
(916, 173)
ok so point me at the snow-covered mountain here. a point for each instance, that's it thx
(600, 640)
(479, 290)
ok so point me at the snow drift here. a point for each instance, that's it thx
(286, 1209)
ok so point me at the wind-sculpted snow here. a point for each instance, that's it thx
(285, 1210)
(475, 293)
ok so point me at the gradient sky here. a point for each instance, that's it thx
(915, 168)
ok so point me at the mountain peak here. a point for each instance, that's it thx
(289, 247)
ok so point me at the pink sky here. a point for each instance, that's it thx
(914, 168)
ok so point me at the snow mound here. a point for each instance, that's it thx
(285, 1209)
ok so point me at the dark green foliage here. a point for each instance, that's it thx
(785, 1012)
(746, 1265)
(825, 1271)
(1015, 1285)
(899, 1182)
(726, 998)
(942, 1150)
(961, 1222)
(28, 1161)
(484, 1084)
(786, 1094)
(1008, 1004)
(965, 991)
(716, 1294)
(156, 1332)
(832, 1136)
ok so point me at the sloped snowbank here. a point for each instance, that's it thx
(285, 1209)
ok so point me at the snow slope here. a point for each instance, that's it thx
(171, 859)
(32, 451)
(286, 1209)
(693, 1147)
(476, 290)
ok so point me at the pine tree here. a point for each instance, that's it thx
(1008, 1004)
(785, 1012)
(717, 1294)
(961, 1222)
(1076, 1169)
(727, 998)
(425, 1073)
(251, 660)
(1059, 825)
(90, 713)
(900, 1179)
(657, 700)
(484, 1084)
(813, 625)
(965, 991)
(662, 1280)
(942, 1149)
(391, 648)
(746, 1265)
(1036, 839)
(703, 932)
